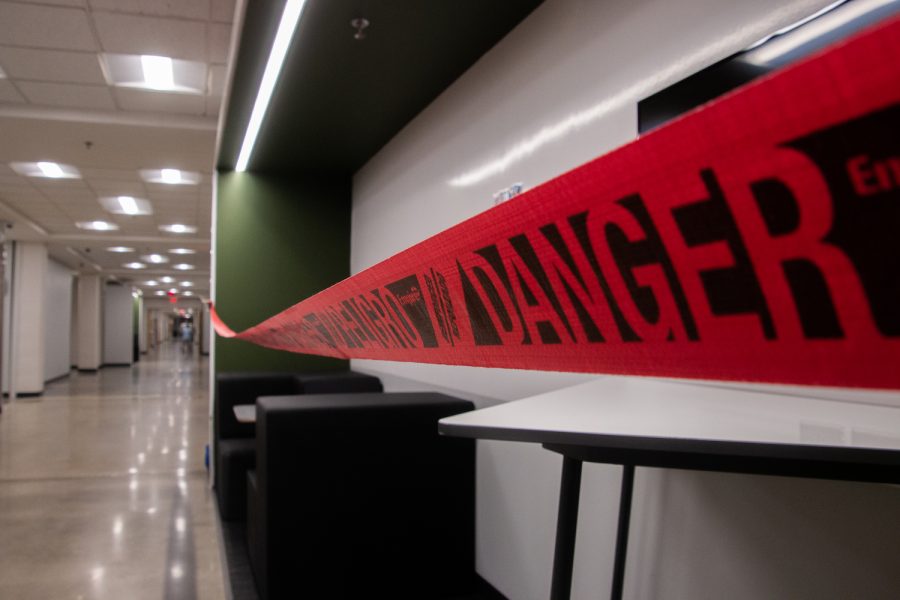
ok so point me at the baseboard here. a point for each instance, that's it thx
(25, 394)
(128, 364)
(88, 370)
(58, 377)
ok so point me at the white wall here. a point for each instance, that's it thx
(566, 83)
(29, 273)
(118, 325)
(89, 322)
(57, 320)
(7, 250)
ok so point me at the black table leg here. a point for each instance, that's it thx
(622, 533)
(566, 524)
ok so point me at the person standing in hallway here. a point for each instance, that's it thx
(187, 337)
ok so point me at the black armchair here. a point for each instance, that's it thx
(357, 496)
(235, 448)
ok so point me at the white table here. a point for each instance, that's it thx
(643, 422)
(245, 413)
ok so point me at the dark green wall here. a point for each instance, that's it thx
(278, 240)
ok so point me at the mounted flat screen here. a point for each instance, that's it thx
(790, 44)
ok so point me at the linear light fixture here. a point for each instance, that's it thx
(289, 19)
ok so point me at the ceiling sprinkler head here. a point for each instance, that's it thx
(359, 24)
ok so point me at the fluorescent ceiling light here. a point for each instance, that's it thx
(170, 176)
(127, 205)
(151, 283)
(187, 284)
(187, 293)
(134, 265)
(51, 169)
(787, 39)
(166, 279)
(158, 72)
(173, 291)
(178, 228)
(289, 19)
(160, 292)
(182, 251)
(120, 249)
(47, 169)
(183, 267)
(97, 225)
(155, 73)
(156, 259)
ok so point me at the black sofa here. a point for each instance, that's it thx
(357, 496)
(234, 445)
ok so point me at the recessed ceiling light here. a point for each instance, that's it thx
(167, 279)
(156, 259)
(47, 169)
(155, 73)
(120, 249)
(127, 205)
(183, 267)
(151, 283)
(134, 265)
(158, 73)
(178, 228)
(173, 291)
(286, 27)
(170, 176)
(160, 292)
(182, 251)
(187, 284)
(187, 293)
(97, 225)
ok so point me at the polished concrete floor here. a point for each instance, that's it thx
(103, 489)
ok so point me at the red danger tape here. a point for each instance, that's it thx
(756, 239)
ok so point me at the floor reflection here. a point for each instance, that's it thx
(103, 486)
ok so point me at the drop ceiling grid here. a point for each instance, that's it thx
(51, 53)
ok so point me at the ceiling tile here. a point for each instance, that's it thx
(118, 188)
(222, 11)
(189, 9)
(101, 174)
(217, 75)
(219, 38)
(213, 105)
(45, 27)
(128, 34)
(69, 95)
(8, 92)
(22, 195)
(51, 65)
(189, 104)
(48, 186)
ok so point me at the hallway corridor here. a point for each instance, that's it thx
(103, 489)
